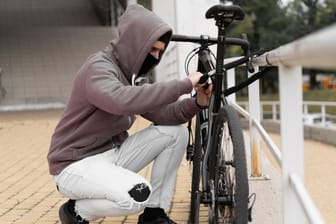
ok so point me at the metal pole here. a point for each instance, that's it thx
(274, 111)
(254, 110)
(290, 80)
(323, 114)
(311, 211)
(304, 52)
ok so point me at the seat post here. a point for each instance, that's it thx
(219, 76)
(223, 15)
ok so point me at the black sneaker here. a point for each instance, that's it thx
(160, 220)
(68, 217)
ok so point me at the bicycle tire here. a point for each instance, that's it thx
(230, 173)
(195, 181)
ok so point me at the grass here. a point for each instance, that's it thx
(320, 95)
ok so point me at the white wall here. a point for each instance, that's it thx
(186, 17)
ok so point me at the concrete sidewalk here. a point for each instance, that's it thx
(28, 194)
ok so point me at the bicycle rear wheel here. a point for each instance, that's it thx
(230, 183)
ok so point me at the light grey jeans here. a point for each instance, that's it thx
(100, 183)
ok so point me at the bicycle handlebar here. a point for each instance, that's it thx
(204, 39)
(194, 39)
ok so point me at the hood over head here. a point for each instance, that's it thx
(138, 30)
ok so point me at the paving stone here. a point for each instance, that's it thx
(28, 193)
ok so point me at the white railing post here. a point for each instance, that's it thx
(254, 110)
(323, 114)
(305, 108)
(290, 80)
(274, 111)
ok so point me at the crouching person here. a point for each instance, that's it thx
(93, 160)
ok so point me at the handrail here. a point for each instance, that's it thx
(291, 58)
(308, 102)
(310, 210)
(273, 148)
(306, 202)
(319, 103)
(240, 110)
(306, 105)
(304, 51)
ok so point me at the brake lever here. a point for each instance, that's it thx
(247, 52)
(249, 66)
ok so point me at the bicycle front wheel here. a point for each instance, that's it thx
(196, 176)
(230, 183)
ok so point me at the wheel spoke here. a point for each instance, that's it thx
(227, 174)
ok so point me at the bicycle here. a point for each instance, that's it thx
(216, 149)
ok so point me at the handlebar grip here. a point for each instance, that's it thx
(203, 80)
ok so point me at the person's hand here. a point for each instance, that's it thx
(194, 77)
(203, 95)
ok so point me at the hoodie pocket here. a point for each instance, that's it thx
(85, 143)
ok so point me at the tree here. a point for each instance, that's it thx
(270, 24)
(308, 16)
(328, 13)
(146, 3)
(264, 24)
(265, 20)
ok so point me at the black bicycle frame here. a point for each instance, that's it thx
(219, 69)
(206, 65)
(205, 117)
(214, 107)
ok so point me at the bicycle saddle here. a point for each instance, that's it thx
(222, 12)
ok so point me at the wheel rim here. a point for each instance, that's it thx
(226, 185)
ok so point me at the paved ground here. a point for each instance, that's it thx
(28, 195)
(41, 48)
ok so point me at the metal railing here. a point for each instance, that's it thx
(317, 50)
(269, 142)
(271, 109)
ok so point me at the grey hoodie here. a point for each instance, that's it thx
(103, 103)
